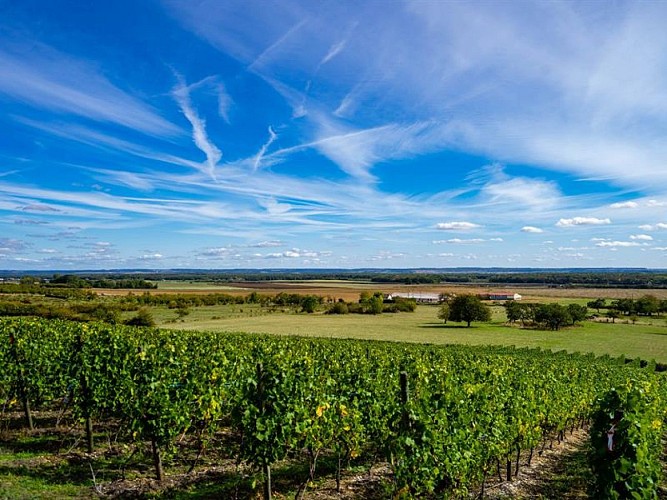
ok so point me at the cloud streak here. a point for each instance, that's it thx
(181, 94)
(49, 79)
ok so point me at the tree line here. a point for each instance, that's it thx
(630, 278)
(647, 305)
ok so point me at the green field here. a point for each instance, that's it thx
(647, 339)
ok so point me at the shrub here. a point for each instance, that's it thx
(338, 308)
(142, 318)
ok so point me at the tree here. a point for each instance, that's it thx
(663, 306)
(309, 304)
(577, 312)
(647, 305)
(444, 312)
(613, 314)
(552, 316)
(469, 308)
(513, 311)
(376, 305)
(597, 304)
(625, 306)
(372, 303)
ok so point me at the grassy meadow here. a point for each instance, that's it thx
(646, 339)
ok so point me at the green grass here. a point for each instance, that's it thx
(647, 340)
(35, 475)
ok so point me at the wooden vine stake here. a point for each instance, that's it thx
(266, 468)
(157, 460)
(85, 393)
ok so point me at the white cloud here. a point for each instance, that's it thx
(617, 244)
(582, 221)
(656, 203)
(296, 253)
(460, 241)
(216, 252)
(152, 256)
(643, 237)
(625, 204)
(653, 227)
(523, 192)
(456, 226)
(531, 229)
(267, 244)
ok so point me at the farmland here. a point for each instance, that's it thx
(640, 340)
(646, 339)
(35, 463)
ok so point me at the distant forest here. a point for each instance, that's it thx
(607, 278)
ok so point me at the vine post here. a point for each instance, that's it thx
(266, 468)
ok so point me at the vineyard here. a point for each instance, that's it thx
(445, 419)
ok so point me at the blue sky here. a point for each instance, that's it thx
(264, 134)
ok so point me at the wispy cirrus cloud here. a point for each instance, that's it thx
(610, 101)
(52, 80)
(262, 151)
(181, 94)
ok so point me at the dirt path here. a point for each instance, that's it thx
(559, 472)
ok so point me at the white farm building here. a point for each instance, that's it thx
(420, 298)
(500, 296)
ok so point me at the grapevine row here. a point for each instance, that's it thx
(444, 417)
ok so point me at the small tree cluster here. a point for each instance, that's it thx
(464, 308)
(372, 303)
(551, 316)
